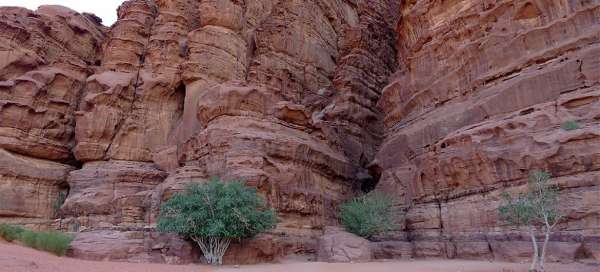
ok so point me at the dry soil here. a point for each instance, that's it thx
(16, 258)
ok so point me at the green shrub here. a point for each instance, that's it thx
(29, 238)
(54, 242)
(570, 125)
(10, 232)
(214, 213)
(368, 215)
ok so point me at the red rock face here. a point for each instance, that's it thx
(281, 94)
(291, 97)
(45, 58)
(482, 90)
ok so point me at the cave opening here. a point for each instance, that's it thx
(369, 181)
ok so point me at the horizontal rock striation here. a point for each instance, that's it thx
(280, 94)
(480, 98)
(45, 58)
(444, 103)
(30, 187)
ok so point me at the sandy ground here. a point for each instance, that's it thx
(15, 258)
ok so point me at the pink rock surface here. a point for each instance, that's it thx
(478, 101)
(339, 246)
(444, 104)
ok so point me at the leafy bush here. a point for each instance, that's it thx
(10, 232)
(368, 215)
(54, 242)
(570, 125)
(213, 213)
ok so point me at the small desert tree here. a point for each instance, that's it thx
(368, 215)
(536, 209)
(214, 213)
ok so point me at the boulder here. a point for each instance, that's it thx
(339, 246)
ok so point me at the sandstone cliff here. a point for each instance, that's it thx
(444, 103)
(479, 98)
(45, 59)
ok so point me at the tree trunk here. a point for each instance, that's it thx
(534, 258)
(543, 256)
(213, 248)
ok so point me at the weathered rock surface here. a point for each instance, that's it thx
(481, 93)
(45, 57)
(392, 250)
(444, 103)
(339, 246)
(132, 246)
(30, 187)
(115, 189)
(45, 60)
(281, 94)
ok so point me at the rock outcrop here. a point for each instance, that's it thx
(30, 187)
(444, 103)
(480, 98)
(339, 246)
(45, 58)
(132, 246)
(281, 94)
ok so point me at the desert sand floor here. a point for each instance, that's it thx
(15, 258)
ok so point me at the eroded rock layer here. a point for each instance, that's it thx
(480, 98)
(45, 58)
(280, 94)
(291, 97)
